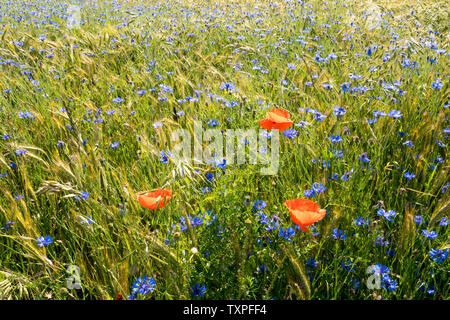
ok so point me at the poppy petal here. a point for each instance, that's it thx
(282, 125)
(266, 124)
(281, 112)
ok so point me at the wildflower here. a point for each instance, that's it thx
(355, 283)
(20, 152)
(418, 220)
(318, 188)
(347, 265)
(277, 119)
(429, 234)
(395, 114)
(444, 221)
(263, 269)
(437, 84)
(388, 215)
(286, 234)
(304, 212)
(8, 225)
(381, 241)
(346, 175)
(409, 175)
(361, 222)
(41, 241)
(290, 133)
(309, 193)
(338, 111)
(338, 234)
(156, 199)
(213, 123)
(438, 255)
(259, 205)
(143, 286)
(197, 290)
(363, 158)
(227, 86)
(84, 196)
(114, 144)
(118, 100)
(312, 263)
(165, 156)
(335, 139)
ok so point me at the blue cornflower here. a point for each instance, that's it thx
(213, 123)
(409, 175)
(26, 115)
(165, 88)
(143, 285)
(290, 133)
(41, 241)
(338, 234)
(259, 205)
(355, 283)
(363, 158)
(291, 66)
(429, 234)
(361, 222)
(388, 215)
(408, 143)
(444, 221)
(114, 144)
(286, 234)
(165, 156)
(437, 84)
(338, 111)
(438, 255)
(197, 290)
(118, 100)
(309, 193)
(347, 175)
(335, 139)
(8, 225)
(381, 241)
(395, 114)
(318, 188)
(20, 152)
(195, 221)
(312, 263)
(418, 220)
(263, 269)
(227, 86)
(84, 196)
(347, 265)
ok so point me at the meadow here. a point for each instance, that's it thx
(87, 109)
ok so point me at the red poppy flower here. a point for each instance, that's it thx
(277, 119)
(156, 199)
(304, 212)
